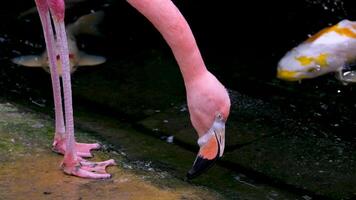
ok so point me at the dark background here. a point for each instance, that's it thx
(241, 43)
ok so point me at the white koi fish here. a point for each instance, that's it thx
(84, 25)
(333, 49)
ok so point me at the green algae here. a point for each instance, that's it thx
(31, 170)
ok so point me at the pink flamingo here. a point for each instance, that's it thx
(208, 100)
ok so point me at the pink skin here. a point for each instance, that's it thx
(64, 141)
(206, 96)
(83, 150)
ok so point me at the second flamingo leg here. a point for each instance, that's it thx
(72, 164)
(83, 149)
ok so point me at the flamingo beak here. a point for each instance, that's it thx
(212, 146)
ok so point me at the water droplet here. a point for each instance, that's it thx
(37, 125)
(306, 197)
(170, 139)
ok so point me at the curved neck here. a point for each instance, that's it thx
(168, 20)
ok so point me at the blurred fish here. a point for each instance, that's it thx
(86, 24)
(333, 49)
(69, 3)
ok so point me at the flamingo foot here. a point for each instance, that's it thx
(88, 169)
(83, 149)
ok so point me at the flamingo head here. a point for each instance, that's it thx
(209, 106)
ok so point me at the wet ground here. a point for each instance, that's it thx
(141, 116)
(29, 170)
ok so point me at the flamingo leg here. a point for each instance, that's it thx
(64, 138)
(56, 87)
(59, 141)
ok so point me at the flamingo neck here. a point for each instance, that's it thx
(168, 20)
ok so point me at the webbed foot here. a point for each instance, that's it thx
(87, 169)
(83, 149)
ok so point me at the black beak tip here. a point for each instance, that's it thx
(200, 165)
